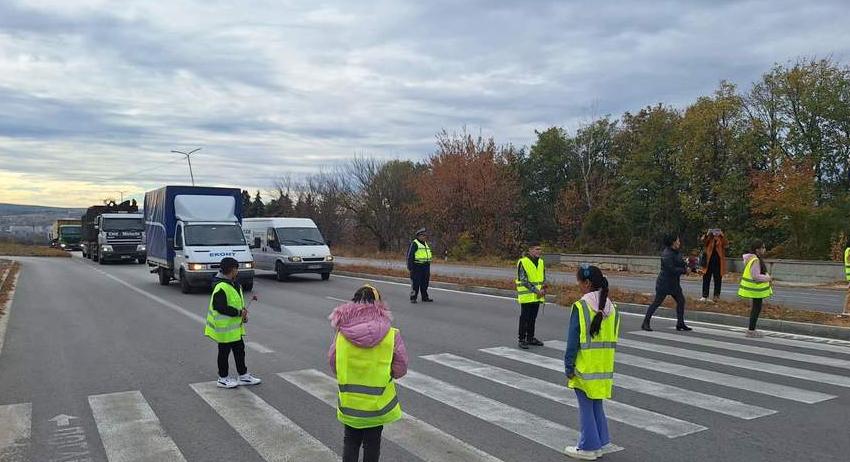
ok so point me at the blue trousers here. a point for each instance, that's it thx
(593, 426)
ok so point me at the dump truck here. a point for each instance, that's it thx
(65, 234)
(114, 232)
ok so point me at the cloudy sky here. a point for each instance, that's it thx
(95, 93)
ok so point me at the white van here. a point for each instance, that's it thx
(288, 246)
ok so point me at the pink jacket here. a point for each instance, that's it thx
(757, 276)
(365, 325)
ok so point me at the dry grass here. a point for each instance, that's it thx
(355, 252)
(14, 249)
(10, 269)
(566, 294)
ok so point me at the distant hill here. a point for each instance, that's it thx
(17, 210)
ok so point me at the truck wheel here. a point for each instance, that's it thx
(164, 277)
(280, 273)
(248, 286)
(95, 257)
(326, 276)
(184, 283)
(142, 261)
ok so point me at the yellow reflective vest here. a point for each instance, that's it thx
(847, 263)
(367, 394)
(750, 288)
(423, 252)
(536, 276)
(221, 328)
(594, 368)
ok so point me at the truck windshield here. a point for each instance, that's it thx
(214, 235)
(123, 224)
(300, 236)
(70, 231)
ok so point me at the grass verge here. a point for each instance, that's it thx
(14, 249)
(8, 269)
(566, 294)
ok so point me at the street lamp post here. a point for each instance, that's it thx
(122, 196)
(189, 160)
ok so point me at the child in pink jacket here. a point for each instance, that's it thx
(365, 321)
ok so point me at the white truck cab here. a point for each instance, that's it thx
(288, 246)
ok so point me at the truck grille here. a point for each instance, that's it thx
(124, 248)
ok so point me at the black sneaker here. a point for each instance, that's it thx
(535, 342)
(522, 344)
(413, 300)
(428, 300)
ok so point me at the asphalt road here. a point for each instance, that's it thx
(803, 298)
(102, 364)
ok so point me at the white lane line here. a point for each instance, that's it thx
(744, 348)
(177, 308)
(415, 436)
(731, 361)
(270, 433)
(517, 421)
(716, 378)
(705, 401)
(772, 339)
(430, 288)
(629, 415)
(338, 299)
(129, 429)
(15, 425)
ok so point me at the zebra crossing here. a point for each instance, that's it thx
(130, 430)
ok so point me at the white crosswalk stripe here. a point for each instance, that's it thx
(756, 350)
(731, 361)
(616, 411)
(718, 378)
(15, 425)
(129, 429)
(417, 437)
(833, 346)
(663, 391)
(542, 431)
(270, 433)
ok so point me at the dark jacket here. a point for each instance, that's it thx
(220, 298)
(672, 269)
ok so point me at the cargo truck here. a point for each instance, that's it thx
(65, 234)
(190, 229)
(113, 232)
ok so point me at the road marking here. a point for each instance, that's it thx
(517, 421)
(338, 299)
(130, 430)
(15, 425)
(177, 308)
(803, 374)
(7, 308)
(705, 401)
(744, 348)
(270, 433)
(415, 436)
(429, 288)
(773, 339)
(629, 415)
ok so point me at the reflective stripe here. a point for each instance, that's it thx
(597, 376)
(361, 389)
(224, 330)
(367, 414)
(757, 289)
(592, 345)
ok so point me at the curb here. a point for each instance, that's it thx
(7, 308)
(776, 325)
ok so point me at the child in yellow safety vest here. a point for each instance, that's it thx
(755, 283)
(589, 362)
(367, 354)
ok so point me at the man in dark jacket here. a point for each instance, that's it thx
(668, 283)
(419, 264)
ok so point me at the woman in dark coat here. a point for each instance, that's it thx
(668, 283)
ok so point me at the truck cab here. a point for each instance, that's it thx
(289, 246)
(199, 248)
(120, 237)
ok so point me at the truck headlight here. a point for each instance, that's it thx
(295, 259)
(106, 248)
(197, 266)
(248, 265)
(140, 248)
(329, 258)
(62, 245)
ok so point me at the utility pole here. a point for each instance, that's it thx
(122, 196)
(189, 160)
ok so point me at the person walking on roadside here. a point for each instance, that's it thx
(419, 264)
(847, 276)
(589, 362)
(715, 245)
(669, 283)
(226, 318)
(367, 354)
(755, 283)
(531, 292)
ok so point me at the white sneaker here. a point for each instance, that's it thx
(248, 379)
(754, 334)
(576, 453)
(227, 382)
(607, 449)
(703, 299)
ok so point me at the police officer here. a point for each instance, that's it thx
(419, 264)
(226, 317)
(531, 292)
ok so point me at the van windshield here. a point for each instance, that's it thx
(214, 235)
(300, 236)
(123, 224)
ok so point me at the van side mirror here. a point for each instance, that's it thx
(328, 242)
(257, 243)
(275, 245)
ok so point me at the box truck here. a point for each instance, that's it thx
(288, 246)
(65, 234)
(113, 232)
(190, 229)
